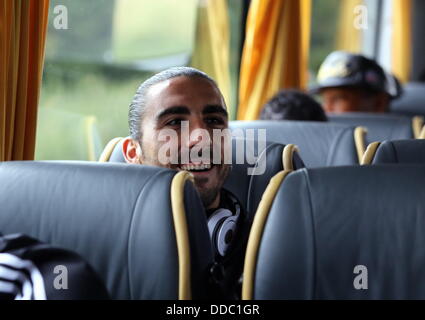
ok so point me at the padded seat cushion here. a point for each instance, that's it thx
(320, 144)
(324, 223)
(403, 152)
(379, 127)
(118, 217)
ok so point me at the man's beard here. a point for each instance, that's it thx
(208, 196)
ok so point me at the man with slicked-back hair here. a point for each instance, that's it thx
(185, 98)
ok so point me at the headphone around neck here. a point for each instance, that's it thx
(222, 225)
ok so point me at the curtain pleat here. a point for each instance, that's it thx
(23, 27)
(349, 38)
(402, 39)
(275, 53)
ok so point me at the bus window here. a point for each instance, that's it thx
(333, 28)
(370, 28)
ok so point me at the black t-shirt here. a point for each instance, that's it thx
(232, 263)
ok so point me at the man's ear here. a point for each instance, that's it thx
(132, 151)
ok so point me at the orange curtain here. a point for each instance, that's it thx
(275, 54)
(23, 27)
(212, 45)
(402, 39)
(349, 38)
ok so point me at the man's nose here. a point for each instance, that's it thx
(197, 133)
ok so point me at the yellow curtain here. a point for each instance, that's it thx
(275, 53)
(212, 44)
(23, 27)
(349, 37)
(402, 39)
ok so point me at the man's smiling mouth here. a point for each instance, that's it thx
(196, 167)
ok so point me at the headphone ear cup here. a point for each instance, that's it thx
(222, 226)
(225, 235)
(215, 219)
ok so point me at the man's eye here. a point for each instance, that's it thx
(214, 121)
(174, 122)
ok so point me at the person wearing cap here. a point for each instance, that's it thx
(353, 83)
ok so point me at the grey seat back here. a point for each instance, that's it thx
(320, 144)
(402, 151)
(412, 102)
(379, 127)
(340, 233)
(123, 219)
(248, 178)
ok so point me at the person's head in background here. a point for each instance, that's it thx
(293, 105)
(353, 83)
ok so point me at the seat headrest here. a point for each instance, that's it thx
(133, 224)
(320, 144)
(113, 151)
(412, 101)
(315, 230)
(379, 127)
(249, 179)
(403, 152)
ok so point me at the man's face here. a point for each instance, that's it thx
(340, 100)
(185, 104)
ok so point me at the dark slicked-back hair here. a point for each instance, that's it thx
(138, 105)
(293, 105)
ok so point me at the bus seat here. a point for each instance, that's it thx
(139, 227)
(248, 188)
(401, 151)
(381, 127)
(320, 144)
(113, 151)
(412, 102)
(310, 240)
